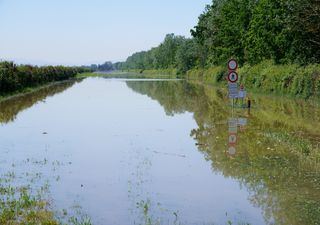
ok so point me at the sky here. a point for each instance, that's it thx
(81, 32)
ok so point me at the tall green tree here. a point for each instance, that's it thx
(187, 56)
(222, 29)
(269, 35)
(305, 25)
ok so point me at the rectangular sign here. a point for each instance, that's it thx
(233, 90)
(242, 121)
(242, 94)
(233, 125)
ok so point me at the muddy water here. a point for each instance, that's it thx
(164, 152)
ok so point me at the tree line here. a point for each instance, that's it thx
(14, 77)
(284, 31)
(104, 67)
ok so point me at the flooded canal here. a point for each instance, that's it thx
(163, 152)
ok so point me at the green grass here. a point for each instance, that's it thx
(25, 199)
(20, 206)
(268, 77)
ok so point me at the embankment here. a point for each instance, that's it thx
(267, 77)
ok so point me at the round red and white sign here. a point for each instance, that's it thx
(231, 151)
(233, 77)
(232, 64)
(232, 139)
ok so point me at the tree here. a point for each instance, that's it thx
(187, 56)
(222, 29)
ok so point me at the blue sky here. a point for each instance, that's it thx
(75, 32)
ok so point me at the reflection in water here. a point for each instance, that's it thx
(11, 107)
(278, 155)
(233, 125)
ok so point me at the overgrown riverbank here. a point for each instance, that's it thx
(267, 77)
(16, 79)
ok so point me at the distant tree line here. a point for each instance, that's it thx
(285, 31)
(15, 77)
(107, 66)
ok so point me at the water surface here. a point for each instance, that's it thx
(159, 152)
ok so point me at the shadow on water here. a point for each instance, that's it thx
(10, 108)
(274, 153)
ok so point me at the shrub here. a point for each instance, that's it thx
(13, 77)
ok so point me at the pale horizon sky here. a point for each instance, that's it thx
(76, 32)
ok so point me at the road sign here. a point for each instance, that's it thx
(233, 90)
(242, 94)
(242, 121)
(231, 151)
(233, 130)
(232, 64)
(232, 139)
(233, 125)
(233, 77)
(232, 122)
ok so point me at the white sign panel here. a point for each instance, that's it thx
(233, 125)
(233, 90)
(242, 121)
(242, 94)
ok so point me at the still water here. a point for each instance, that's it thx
(164, 152)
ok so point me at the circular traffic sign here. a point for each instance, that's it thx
(232, 139)
(231, 151)
(233, 77)
(232, 64)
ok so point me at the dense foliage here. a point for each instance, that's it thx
(285, 31)
(107, 66)
(174, 52)
(15, 77)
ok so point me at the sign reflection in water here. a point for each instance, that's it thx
(233, 137)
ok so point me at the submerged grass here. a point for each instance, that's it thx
(24, 199)
(18, 207)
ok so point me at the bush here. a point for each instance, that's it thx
(13, 77)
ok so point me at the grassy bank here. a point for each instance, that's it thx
(267, 77)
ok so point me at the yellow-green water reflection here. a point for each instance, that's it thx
(276, 154)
